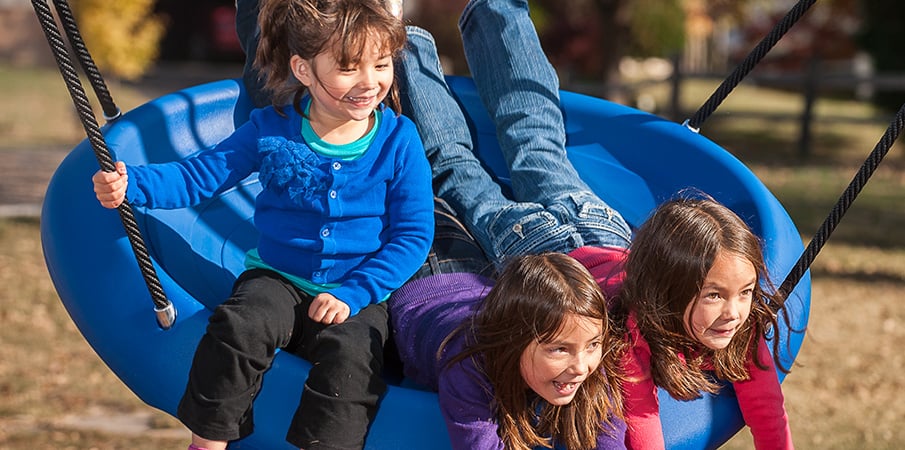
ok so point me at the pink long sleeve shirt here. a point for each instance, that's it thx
(759, 398)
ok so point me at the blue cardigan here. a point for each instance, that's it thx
(364, 225)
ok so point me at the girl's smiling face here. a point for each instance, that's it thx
(555, 369)
(724, 302)
(344, 97)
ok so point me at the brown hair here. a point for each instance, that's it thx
(530, 302)
(308, 28)
(670, 256)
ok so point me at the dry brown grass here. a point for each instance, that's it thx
(51, 381)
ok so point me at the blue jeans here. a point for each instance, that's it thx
(550, 208)
(249, 33)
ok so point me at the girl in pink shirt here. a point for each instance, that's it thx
(697, 305)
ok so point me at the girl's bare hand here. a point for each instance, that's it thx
(110, 187)
(328, 309)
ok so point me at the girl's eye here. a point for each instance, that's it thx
(713, 296)
(594, 345)
(383, 66)
(748, 293)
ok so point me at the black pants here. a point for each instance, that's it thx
(264, 313)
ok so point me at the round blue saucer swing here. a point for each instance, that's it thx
(632, 159)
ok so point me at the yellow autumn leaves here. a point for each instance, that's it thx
(122, 36)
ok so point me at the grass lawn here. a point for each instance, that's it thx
(38, 111)
(845, 391)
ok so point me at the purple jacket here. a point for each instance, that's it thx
(424, 313)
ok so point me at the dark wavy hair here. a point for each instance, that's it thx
(308, 28)
(530, 302)
(670, 256)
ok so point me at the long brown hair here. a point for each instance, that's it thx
(308, 28)
(530, 303)
(670, 256)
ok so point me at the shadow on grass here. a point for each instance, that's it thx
(866, 223)
(859, 276)
(832, 146)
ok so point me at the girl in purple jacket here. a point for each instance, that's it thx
(526, 361)
(532, 364)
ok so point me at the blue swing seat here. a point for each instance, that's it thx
(633, 159)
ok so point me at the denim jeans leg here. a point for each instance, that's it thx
(520, 90)
(247, 29)
(459, 178)
(502, 227)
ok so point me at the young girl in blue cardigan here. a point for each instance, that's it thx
(344, 215)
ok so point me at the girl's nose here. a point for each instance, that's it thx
(580, 364)
(368, 78)
(731, 309)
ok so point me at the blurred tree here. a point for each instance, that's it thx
(657, 28)
(584, 39)
(825, 33)
(441, 18)
(122, 35)
(882, 35)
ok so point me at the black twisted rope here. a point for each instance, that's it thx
(82, 105)
(101, 152)
(746, 66)
(111, 111)
(845, 201)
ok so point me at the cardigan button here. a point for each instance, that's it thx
(337, 165)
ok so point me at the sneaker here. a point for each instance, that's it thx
(395, 8)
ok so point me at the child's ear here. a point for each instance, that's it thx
(301, 70)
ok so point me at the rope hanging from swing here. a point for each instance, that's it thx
(845, 201)
(164, 309)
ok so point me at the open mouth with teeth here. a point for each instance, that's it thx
(565, 388)
(359, 100)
